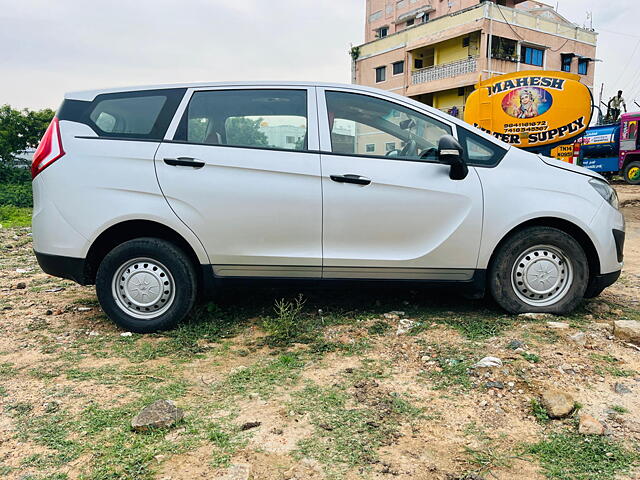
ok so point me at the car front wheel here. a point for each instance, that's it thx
(146, 284)
(539, 269)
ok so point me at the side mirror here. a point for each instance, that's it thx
(450, 152)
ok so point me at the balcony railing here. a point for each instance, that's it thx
(445, 70)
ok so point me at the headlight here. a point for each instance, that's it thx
(606, 191)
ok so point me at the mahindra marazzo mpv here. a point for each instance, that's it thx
(155, 194)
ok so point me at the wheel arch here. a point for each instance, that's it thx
(561, 224)
(128, 230)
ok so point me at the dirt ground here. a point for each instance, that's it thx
(380, 384)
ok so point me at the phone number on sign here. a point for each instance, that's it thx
(525, 127)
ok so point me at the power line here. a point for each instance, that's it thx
(598, 29)
(626, 67)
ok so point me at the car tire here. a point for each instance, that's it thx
(631, 173)
(540, 270)
(593, 292)
(137, 285)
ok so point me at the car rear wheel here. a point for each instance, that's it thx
(632, 173)
(146, 284)
(539, 269)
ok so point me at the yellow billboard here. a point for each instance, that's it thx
(531, 108)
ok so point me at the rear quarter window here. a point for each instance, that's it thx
(142, 114)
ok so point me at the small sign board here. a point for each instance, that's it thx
(532, 108)
(563, 152)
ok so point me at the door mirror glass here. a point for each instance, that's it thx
(450, 152)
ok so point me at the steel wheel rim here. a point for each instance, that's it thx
(634, 173)
(542, 275)
(143, 288)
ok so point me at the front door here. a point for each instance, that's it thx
(389, 209)
(240, 173)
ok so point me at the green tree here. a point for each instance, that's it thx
(244, 131)
(21, 129)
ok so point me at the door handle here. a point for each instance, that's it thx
(184, 162)
(350, 178)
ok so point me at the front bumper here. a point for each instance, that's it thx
(597, 283)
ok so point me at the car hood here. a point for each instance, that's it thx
(552, 162)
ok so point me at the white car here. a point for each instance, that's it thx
(154, 194)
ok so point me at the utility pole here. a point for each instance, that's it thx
(600, 103)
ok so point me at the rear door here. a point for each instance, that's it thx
(242, 170)
(390, 210)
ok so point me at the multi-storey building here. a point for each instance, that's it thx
(435, 51)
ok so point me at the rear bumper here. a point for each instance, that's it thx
(64, 267)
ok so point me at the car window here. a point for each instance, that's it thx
(247, 118)
(129, 115)
(479, 151)
(364, 125)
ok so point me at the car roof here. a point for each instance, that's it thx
(89, 95)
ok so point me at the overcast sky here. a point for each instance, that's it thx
(49, 47)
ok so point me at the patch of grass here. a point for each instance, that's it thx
(18, 409)
(226, 440)
(289, 324)
(478, 327)
(51, 431)
(7, 370)
(345, 436)
(619, 409)
(487, 458)
(610, 366)
(11, 216)
(453, 369)
(539, 412)
(530, 357)
(263, 377)
(41, 373)
(570, 456)
(379, 327)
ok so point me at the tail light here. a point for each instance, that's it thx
(49, 150)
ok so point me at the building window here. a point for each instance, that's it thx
(532, 56)
(375, 16)
(398, 68)
(383, 32)
(389, 146)
(381, 74)
(424, 18)
(583, 66)
(461, 91)
(465, 42)
(418, 63)
(370, 147)
(566, 62)
(410, 22)
(504, 49)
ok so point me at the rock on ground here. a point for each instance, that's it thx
(558, 325)
(621, 388)
(590, 426)
(162, 413)
(238, 471)
(488, 362)
(579, 338)
(535, 316)
(558, 404)
(404, 326)
(627, 330)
